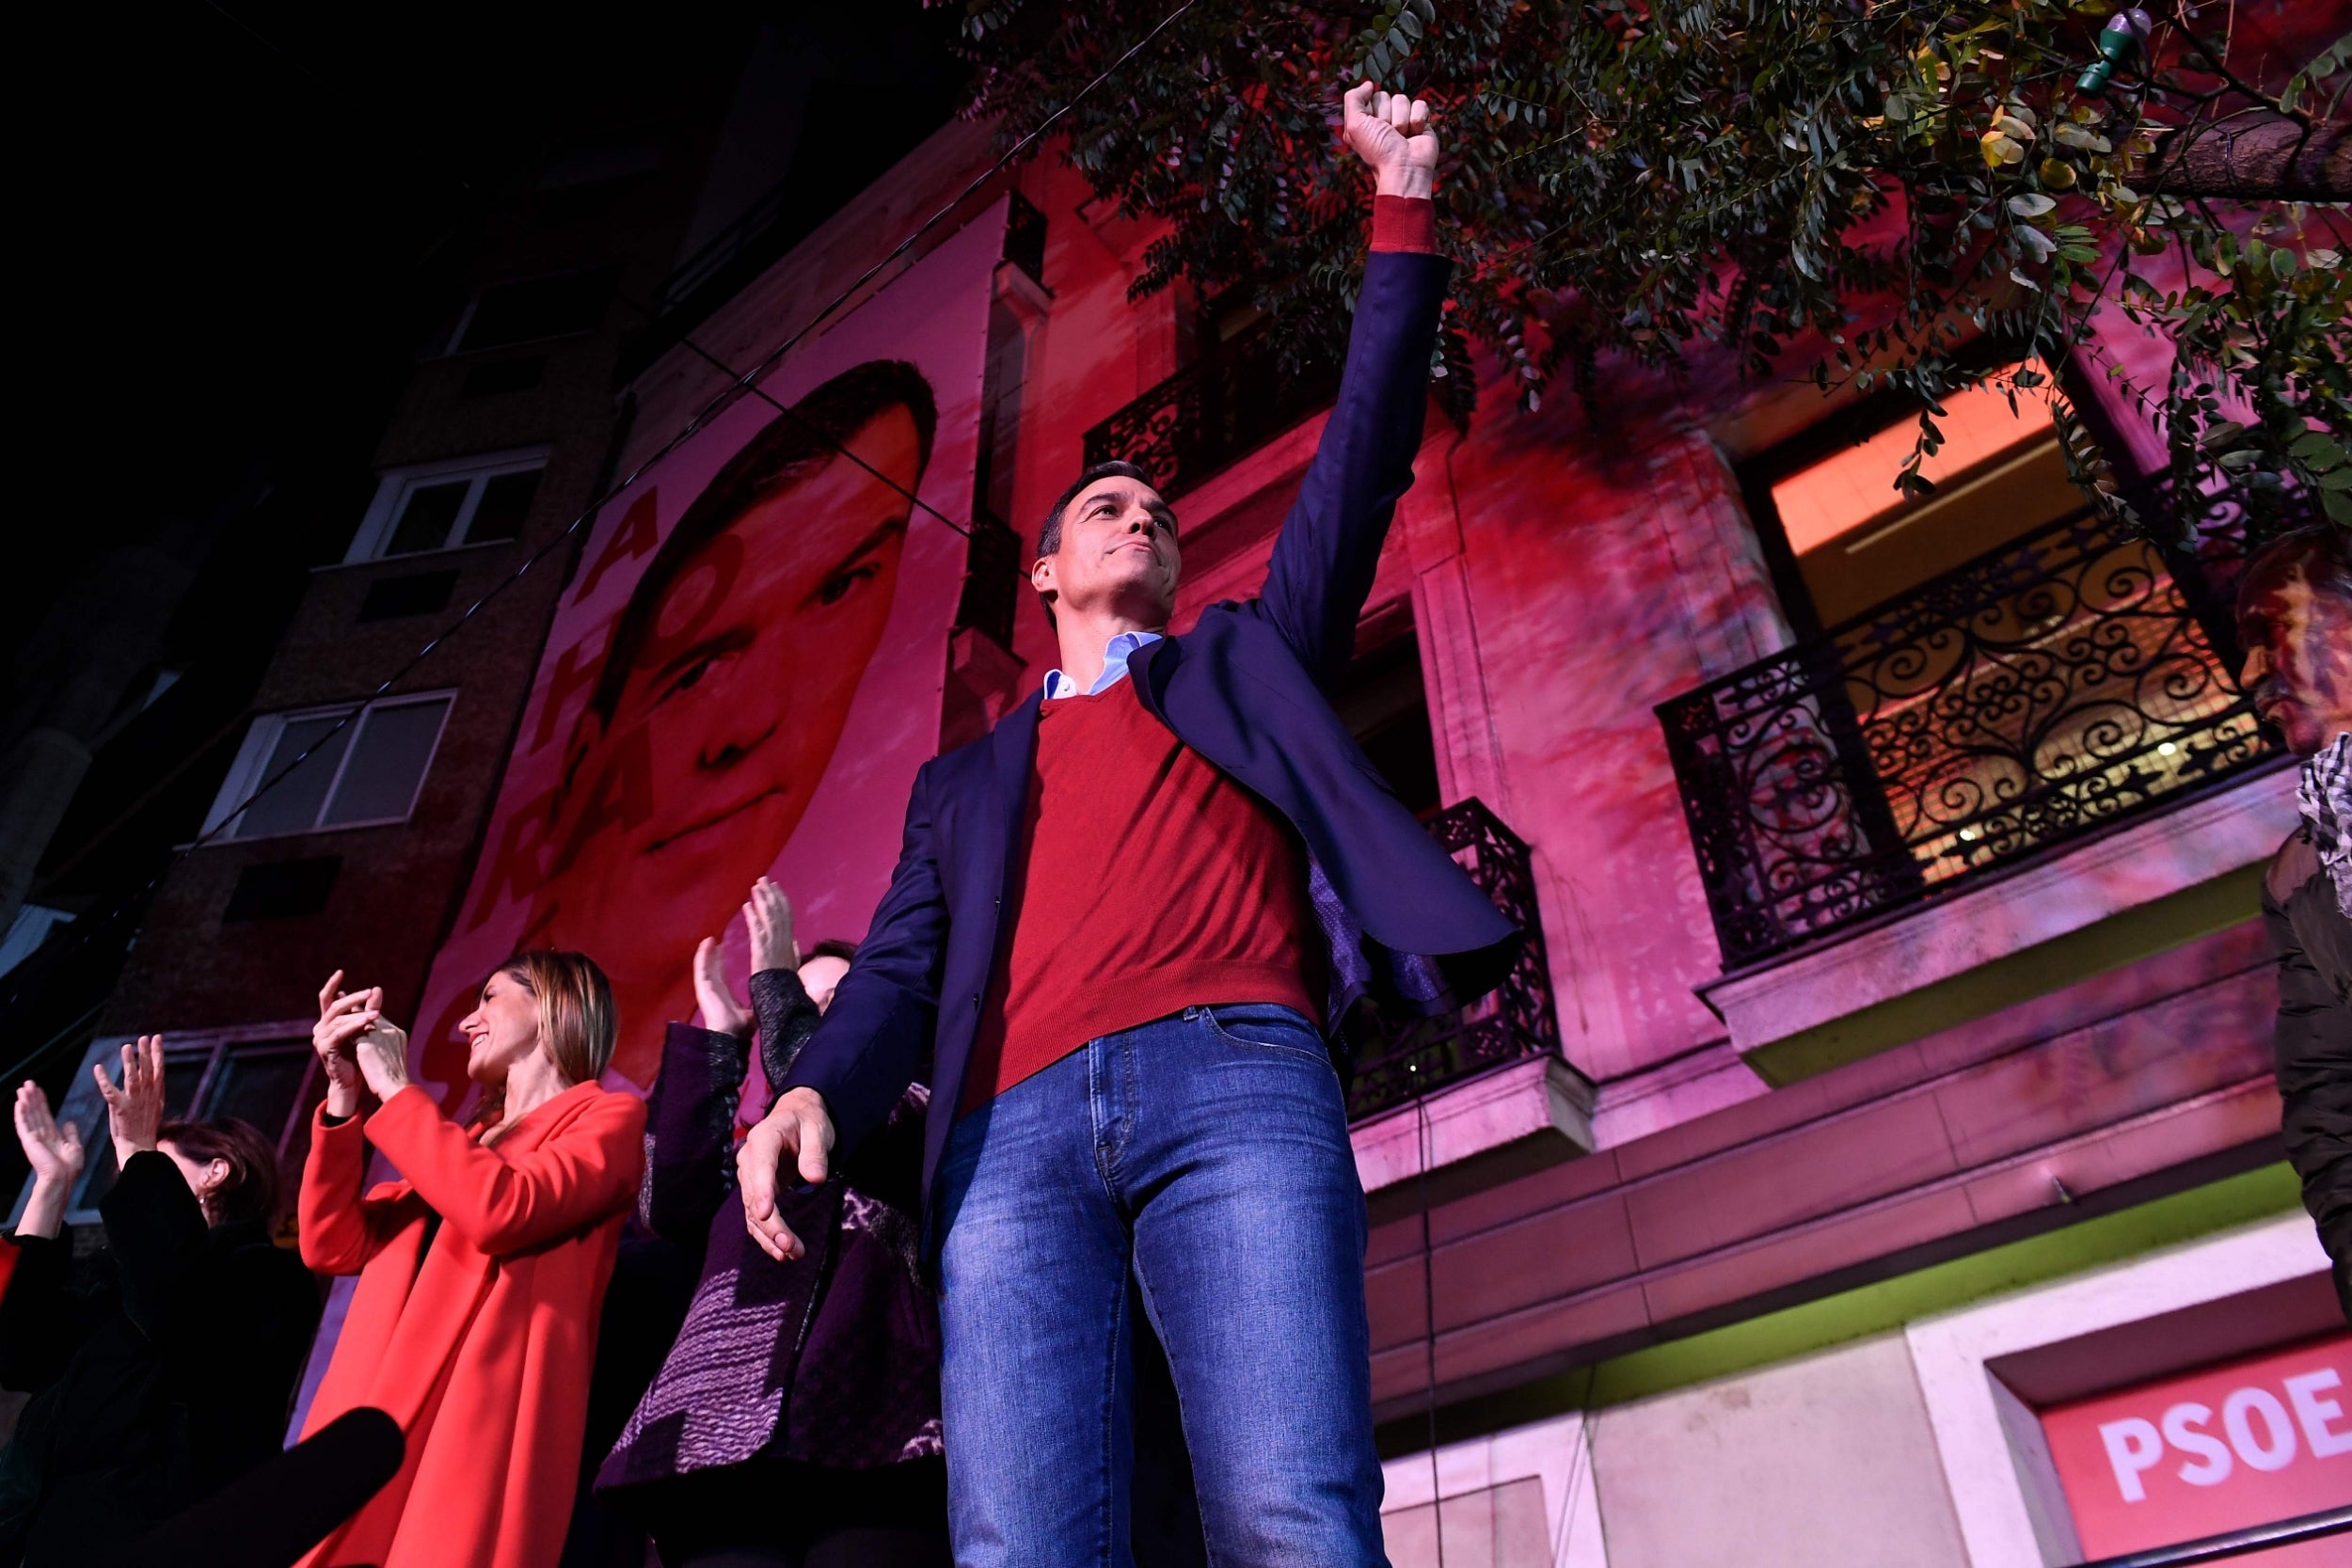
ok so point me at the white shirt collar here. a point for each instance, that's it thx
(1115, 656)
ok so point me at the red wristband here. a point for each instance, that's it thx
(1407, 223)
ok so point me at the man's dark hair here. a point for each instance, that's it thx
(833, 947)
(2322, 552)
(1049, 537)
(791, 445)
(249, 1191)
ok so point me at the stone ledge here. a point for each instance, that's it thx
(2167, 853)
(1497, 1127)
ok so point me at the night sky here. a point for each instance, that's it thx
(242, 217)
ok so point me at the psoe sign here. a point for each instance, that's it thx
(2244, 1443)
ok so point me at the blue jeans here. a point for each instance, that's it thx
(1208, 1152)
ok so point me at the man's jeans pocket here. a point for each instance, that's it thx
(1264, 1026)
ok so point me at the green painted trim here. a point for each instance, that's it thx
(2136, 933)
(1889, 1304)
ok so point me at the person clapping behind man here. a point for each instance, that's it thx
(796, 1420)
(174, 1375)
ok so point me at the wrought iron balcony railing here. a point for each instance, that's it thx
(2042, 690)
(1221, 408)
(1405, 1058)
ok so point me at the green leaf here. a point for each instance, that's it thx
(2317, 451)
(2336, 58)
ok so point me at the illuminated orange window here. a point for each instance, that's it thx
(1858, 542)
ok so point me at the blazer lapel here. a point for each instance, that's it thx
(1013, 747)
(1149, 667)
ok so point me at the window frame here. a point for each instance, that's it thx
(395, 485)
(214, 1047)
(1855, 421)
(261, 741)
(454, 348)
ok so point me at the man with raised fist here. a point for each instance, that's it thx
(1124, 925)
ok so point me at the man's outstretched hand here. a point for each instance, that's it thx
(800, 1129)
(1391, 132)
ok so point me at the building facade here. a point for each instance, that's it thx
(1881, 1123)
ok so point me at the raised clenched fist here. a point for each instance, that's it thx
(1391, 132)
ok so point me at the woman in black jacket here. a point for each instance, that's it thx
(795, 1422)
(168, 1373)
(795, 1419)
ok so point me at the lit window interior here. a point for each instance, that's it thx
(1858, 542)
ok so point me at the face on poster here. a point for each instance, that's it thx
(744, 674)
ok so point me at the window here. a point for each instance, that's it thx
(34, 921)
(343, 767)
(1857, 541)
(526, 310)
(266, 1075)
(440, 506)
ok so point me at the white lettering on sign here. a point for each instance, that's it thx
(2260, 1433)
(2133, 1445)
(2182, 1429)
(2319, 1416)
(2279, 1452)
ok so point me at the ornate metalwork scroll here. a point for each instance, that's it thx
(1401, 1056)
(2041, 691)
(1217, 410)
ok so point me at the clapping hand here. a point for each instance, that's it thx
(334, 1036)
(359, 1046)
(1391, 132)
(383, 1053)
(134, 1108)
(769, 918)
(56, 1155)
(54, 1152)
(721, 1013)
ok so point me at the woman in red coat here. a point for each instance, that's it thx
(481, 1273)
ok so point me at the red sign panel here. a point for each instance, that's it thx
(2265, 1438)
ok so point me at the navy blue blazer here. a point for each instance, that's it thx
(1246, 688)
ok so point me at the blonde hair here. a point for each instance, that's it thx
(577, 1025)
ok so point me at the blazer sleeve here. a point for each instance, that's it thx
(157, 1231)
(690, 1118)
(2312, 1044)
(339, 1229)
(865, 1052)
(584, 1172)
(1330, 547)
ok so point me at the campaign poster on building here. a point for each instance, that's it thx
(745, 672)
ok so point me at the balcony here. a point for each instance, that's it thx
(1225, 406)
(2037, 695)
(1401, 1058)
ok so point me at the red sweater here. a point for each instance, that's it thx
(1147, 882)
